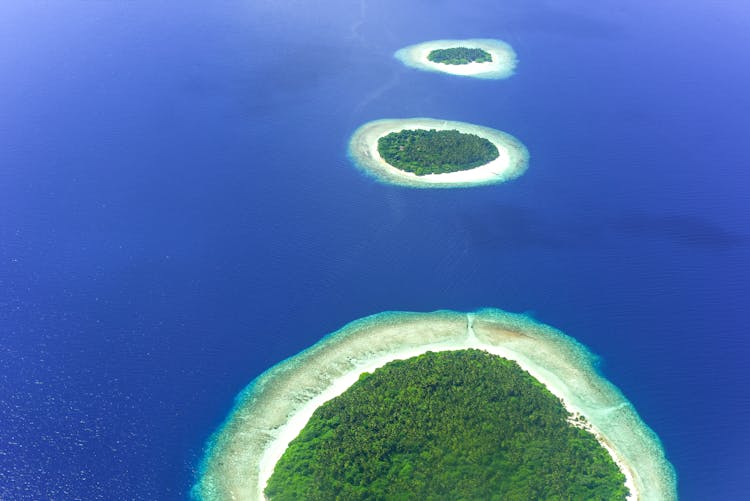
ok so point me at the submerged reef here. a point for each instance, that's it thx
(242, 455)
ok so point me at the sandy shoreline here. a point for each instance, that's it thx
(273, 410)
(363, 150)
(502, 65)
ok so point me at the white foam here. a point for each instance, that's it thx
(273, 410)
(502, 65)
(511, 162)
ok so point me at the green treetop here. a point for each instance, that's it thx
(461, 425)
(433, 151)
(459, 55)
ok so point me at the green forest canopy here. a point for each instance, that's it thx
(459, 55)
(433, 151)
(461, 425)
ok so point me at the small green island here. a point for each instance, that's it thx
(459, 424)
(484, 58)
(431, 151)
(459, 55)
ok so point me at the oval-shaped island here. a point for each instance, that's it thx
(544, 385)
(430, 153)
(479, 58)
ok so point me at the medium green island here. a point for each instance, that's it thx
(432, 151)
(446, 425)
(459, 55)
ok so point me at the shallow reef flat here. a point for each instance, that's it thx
(503, 62)
(512, 161)
(274, 408)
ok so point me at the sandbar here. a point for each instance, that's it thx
(271, 411)
(503, 62)
(512, 161)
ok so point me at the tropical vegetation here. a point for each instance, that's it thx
(433, 151)
(460, 425)
(459, 55)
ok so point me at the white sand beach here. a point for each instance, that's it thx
(274, 409)
(363, 149)
(502, 65)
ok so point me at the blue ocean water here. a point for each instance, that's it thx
(177, 214)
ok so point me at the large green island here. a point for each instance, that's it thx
(448, 425)
(430, 151)
(432, 404)
(459, 55)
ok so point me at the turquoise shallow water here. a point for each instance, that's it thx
(178, 214)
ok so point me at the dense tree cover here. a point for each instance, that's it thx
(459, 55)
(433, 151)
(462, 425)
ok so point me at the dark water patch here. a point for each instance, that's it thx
(516, 227)
(571, 23)
(685, 230)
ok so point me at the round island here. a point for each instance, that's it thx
(430, 153)
(442, 400)
(478, 58)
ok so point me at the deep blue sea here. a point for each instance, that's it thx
(177, 214)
